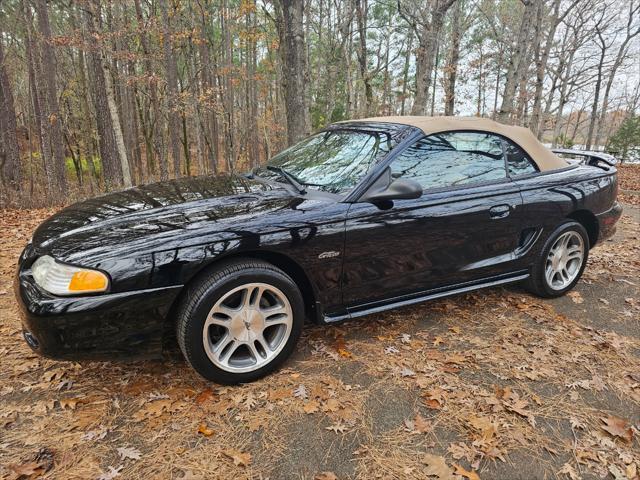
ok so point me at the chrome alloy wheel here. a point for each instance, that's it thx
(247, 327)
(565, 260)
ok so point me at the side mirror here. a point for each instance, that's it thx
(386, 188)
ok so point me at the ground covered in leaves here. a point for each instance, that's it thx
(629, 178)
(494, 385)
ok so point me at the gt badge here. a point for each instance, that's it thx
(329, 254)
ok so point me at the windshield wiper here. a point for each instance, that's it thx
(288, 177)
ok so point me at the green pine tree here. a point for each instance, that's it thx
(625, 143)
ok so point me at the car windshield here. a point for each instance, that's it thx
(334, 161)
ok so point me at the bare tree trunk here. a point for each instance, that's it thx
(86, 127)
(425, 60)
(226, 80)
(565, 75)
(156, 117)
(85, 142)
(481, 83)
(107, 143)
(596, 94)
(289, 23)
(562, 100)
(536, 121)
(434, 82)
(362, 8)
(620, 57)
(405, 71)
(451, 69)
(426, 21)
(538, 54)
(173, 113)
(576, 125)
(523, 70)
(252, 95)
(134, 144)
(10, 165)
(51, 98)
(387, 106)
(517, 63)
(210, 91)
(39, 108)
(117, 128)
(348, 68)
(424, 65)
(556, 80)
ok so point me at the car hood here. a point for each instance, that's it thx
(160, 210)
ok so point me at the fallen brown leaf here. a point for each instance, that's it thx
(344, 353)
(189, 475)
(279, 394)
(129, 453)
(70, 403)
(568, 470)
(152, 409)
(519, 407)
(471, 475)
(311, 407)
(617, 427)
(29, 469)
(576, 297)
(421, 425)
(256, 424)
(205, 430)
(461, 450)
(240, 459)
(484, 426)
(437, 467)
(325, 476)
(331, 405)
(337, 427)
(434, 398)
(204, 396)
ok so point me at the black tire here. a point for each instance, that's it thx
(203, 294)
(537, 282)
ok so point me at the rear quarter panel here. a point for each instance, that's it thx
(550, 198)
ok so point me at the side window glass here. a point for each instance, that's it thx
(452, 159)
(519, 163)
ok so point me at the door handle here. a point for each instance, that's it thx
(499, 211)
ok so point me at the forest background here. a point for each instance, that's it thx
(100, 95)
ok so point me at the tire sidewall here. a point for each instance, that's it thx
(565, 227)
(196, 353)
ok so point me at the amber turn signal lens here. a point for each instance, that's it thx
(88, 281)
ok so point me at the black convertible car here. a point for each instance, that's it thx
(361, 217)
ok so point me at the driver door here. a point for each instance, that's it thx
(464, 228)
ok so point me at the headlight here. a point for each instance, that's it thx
(61, 279)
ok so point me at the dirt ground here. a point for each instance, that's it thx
(496, 384)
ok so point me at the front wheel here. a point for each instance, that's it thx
(240, 322)
(561, 262)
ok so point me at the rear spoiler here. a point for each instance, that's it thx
(595, 159)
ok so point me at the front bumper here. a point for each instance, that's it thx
(117, 325)
(607, 222)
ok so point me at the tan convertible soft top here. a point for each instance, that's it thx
(544, 158)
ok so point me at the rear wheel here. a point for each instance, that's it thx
(241, 322)
(561, 262)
